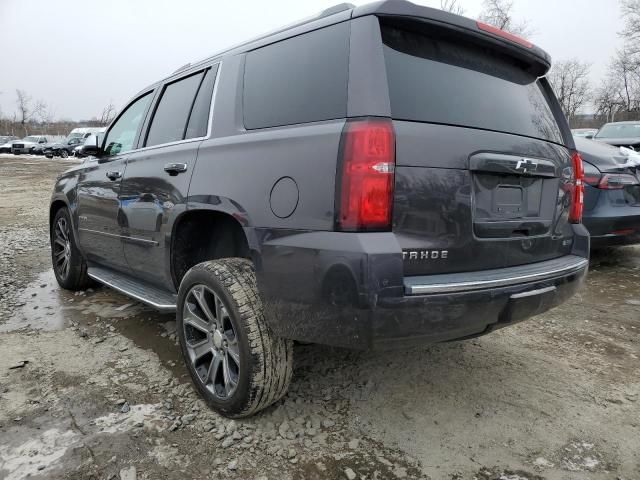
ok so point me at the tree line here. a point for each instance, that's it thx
(35, 117)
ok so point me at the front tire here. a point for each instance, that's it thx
(236, 363)
(64, 154)
(69, 266)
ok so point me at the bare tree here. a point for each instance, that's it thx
(607, 100)
(107, 115)
(570, 81)
(28, 110)
(499, 13)
(451, 6)
(631, 32)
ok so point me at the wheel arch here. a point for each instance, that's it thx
(203, 234)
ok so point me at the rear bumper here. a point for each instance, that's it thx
(455, 314)
(349, 290)
(610, 224)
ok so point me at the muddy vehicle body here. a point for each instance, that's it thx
(329, 183)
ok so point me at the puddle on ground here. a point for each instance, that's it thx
(45, 306)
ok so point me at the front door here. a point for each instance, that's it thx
(99, 212)
(154, 191)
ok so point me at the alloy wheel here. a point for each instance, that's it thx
(62, 247)
(211, 341)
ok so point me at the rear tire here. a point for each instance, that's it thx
(69, 266)
(220, 319)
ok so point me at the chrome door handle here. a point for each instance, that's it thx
(114, 175)
(174, 169)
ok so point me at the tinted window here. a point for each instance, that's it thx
(199, 119)
(123, 132)
(443, 80)
(170, 118)
(302, 79)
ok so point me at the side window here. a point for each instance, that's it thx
(199, 119)
(298, 80)
(123, 132)
(171, 115)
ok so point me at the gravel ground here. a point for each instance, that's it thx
(92, 386)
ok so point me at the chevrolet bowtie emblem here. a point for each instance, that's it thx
(526, 165)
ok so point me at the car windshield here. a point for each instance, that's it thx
(31, 139)
(619, 130)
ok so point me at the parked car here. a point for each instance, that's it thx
(65, 148)
(584, 132)
(307, 186)
(612, 194)
(5, 143)
(27, 144)
(620, 134)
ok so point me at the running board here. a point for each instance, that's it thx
(134, 288)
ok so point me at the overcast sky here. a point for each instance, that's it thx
(78, 55)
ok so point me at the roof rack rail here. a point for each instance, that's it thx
(341, 7)
(183, 67)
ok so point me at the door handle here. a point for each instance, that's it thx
(174, 169)
(114, 175)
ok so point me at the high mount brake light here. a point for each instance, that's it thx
(368, 156)
(506, 35)
(577, 200)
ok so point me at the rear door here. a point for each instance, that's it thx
(154, 190)
(482, 170)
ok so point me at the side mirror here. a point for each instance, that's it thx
(91, 147)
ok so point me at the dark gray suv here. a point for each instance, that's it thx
(375, 176)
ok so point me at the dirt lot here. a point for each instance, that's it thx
(92, 386)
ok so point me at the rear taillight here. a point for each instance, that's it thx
(617, 181)
(506, 35)
(366, 170)
(577, 200)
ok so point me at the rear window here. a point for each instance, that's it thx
(298, 80)
(442, 80)
(619, 130)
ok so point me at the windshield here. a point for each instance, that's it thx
(619, 130)
(31, 139)
(75, 135)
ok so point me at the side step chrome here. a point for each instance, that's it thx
(134, 288)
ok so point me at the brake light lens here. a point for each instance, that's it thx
(365, 195)
(577, 200)
(506, 35)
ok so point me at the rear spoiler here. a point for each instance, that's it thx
(538, 60)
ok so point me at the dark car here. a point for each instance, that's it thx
(374, 177)
(65, 148)
(612, 194)
(620, 134)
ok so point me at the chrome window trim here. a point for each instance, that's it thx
(210, 120)
(455, 287)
